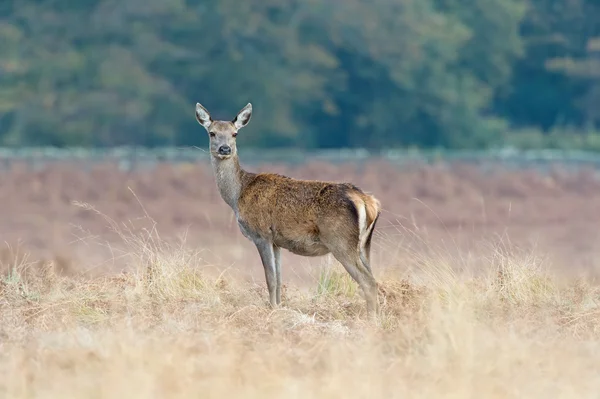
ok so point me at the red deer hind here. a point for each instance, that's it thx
(308, 218)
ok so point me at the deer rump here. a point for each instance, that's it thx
(308, 218)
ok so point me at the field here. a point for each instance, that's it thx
(139, 284)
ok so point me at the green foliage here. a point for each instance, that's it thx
(557, 83)
(335, 281)
(358, 73)
(558, 139)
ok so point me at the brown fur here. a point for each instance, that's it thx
(295, 213)
(306, 217)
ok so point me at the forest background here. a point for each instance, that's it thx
(321, 74)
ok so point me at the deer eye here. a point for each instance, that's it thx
(234, 134)
(212, 134)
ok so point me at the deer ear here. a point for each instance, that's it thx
(202, 116)
(243, 117)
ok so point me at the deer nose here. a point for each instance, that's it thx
(224, 150)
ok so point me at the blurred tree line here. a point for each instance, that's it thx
(320, 73)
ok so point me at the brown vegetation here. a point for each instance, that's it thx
(465, 311)
(453, 207)
(168, 329)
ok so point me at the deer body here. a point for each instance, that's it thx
(305, 217)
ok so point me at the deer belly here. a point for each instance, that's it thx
(307, 245)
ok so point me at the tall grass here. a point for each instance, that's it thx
(168, 329)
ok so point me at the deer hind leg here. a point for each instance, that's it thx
(268, 258)
(352, 262)
(277, 255)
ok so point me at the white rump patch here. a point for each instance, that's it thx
(362, 222)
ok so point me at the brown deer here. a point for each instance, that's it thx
(308, 218)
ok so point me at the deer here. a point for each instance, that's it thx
(305, 217)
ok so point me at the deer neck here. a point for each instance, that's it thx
(228, 175)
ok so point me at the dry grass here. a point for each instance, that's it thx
(172, 328)
(558, 212)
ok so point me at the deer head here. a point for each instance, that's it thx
(222, 134)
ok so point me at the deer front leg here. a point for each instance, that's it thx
(277, 253)
(267, 256)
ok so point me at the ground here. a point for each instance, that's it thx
(139, 284)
